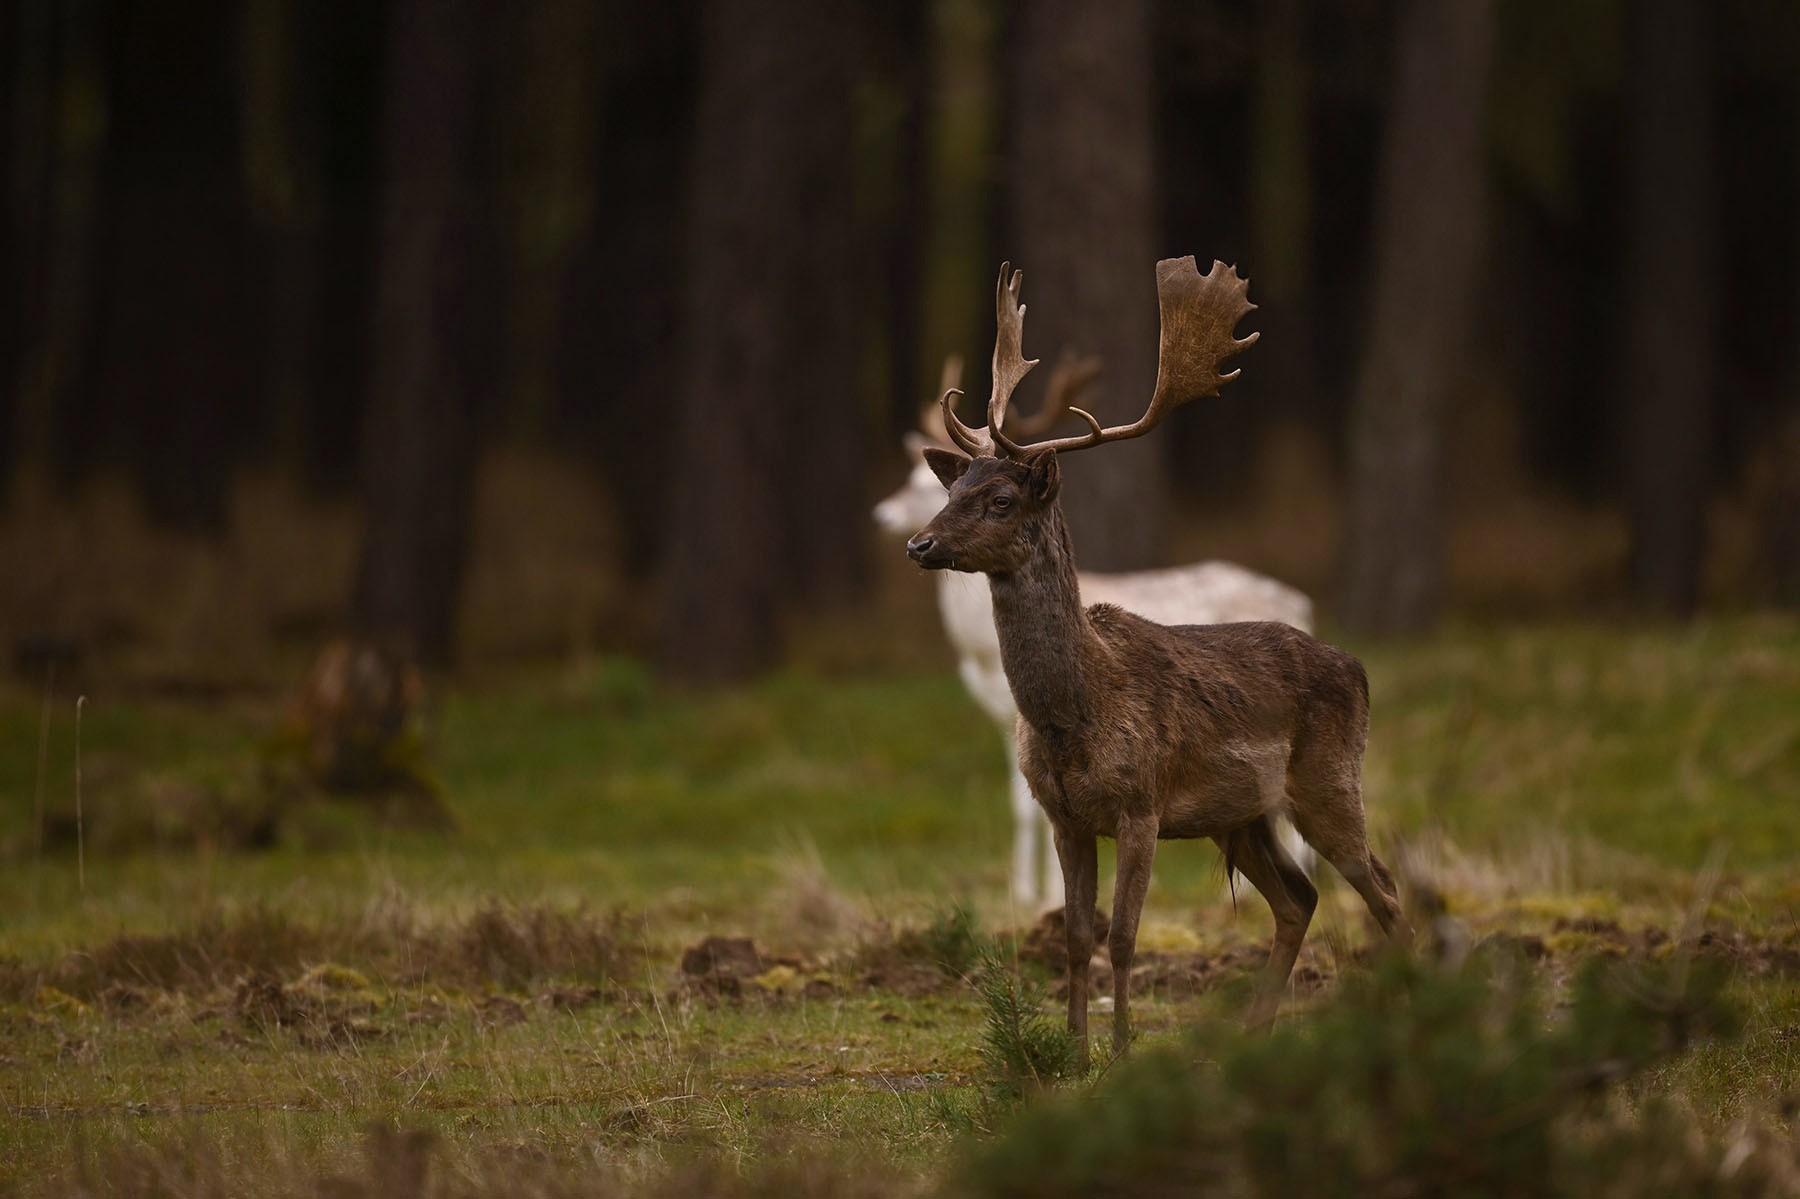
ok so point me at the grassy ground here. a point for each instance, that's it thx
(198, 1013)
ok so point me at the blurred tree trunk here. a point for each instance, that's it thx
(173, 368)
(892, 213)
(20, 193)
(56, 127)
(551, 110)
(771, 442)
(618, 359)
(1780, 515)
(345, 79)
(1430, 214)
(1082, 179)
(1775, 470)
(310, 128)
(959, 205)
(1281, 215)
(433, 330)
(281, 138)
(1673, 271)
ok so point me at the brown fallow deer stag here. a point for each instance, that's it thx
(1210, 592)
(1139, 731)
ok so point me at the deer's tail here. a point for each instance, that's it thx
(1233, 843)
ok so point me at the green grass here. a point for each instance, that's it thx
(561, 1081)
(1528, 775)
(1657, 743)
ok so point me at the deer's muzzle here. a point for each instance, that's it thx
(928, 552)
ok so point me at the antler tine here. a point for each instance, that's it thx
(952, 376)
(1068, 379)
(973, 442)
(1010, 363)
(1199, 313)
(931, 416)
(939, 421)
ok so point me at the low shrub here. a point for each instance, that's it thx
(1410, 1082)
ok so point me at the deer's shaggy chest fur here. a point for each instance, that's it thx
(1168, 724)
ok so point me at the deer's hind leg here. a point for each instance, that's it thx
(1329, 815)
(1256, 851)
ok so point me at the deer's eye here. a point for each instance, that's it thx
(1002, 502)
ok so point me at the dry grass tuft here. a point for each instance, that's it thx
(416, 1163)
(814, 912)
(500, 946)
(1539, 862)
(515, 946)
(214, 953)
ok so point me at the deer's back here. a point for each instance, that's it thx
(1200, 593)
(1199, 722)
(1220, 678)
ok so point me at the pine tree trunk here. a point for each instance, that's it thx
(175, 355)
(1426, 263)
(55, 140)
(963, 101)
(1281, 190)
(433, 331)
(1082, 194)
(1780, 514)
(19, 192)
(281, 149)
(1673, 289)
(771, 451)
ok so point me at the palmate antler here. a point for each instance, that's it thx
(1199, 313)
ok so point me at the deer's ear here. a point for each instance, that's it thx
(1043, 477)
(946, 465)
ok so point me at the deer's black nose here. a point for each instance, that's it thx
(929, 552)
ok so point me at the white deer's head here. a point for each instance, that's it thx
(922, 496)
(918, 499)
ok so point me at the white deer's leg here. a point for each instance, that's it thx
(1045, 837)
(1296, 846)
(1027, 816)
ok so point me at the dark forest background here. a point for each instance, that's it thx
(1528, 274)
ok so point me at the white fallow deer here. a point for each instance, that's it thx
(1199, 593)
(1140, 731)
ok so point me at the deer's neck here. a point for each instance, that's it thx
(1044, 630)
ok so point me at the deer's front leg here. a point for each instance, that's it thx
(1079, 855)
(1137, 849)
